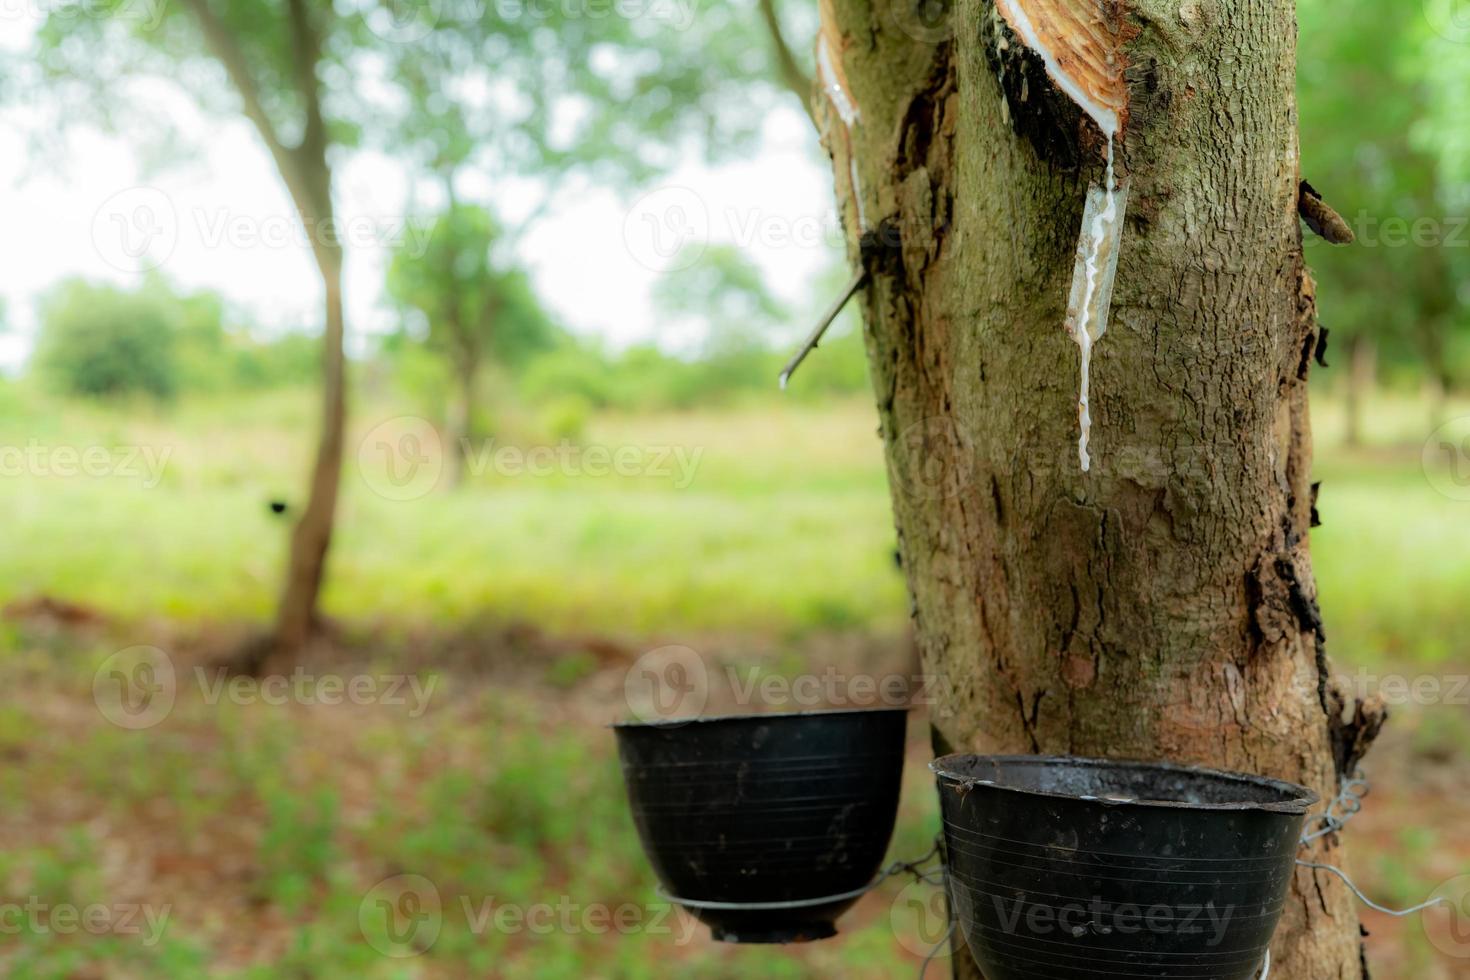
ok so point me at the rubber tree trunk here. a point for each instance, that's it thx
(1162, 605)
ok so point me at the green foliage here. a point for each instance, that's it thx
(565, 418)
(725, 291)
(467, 297)
(298, 846)
(101, 341)
(1381, 101)
(646, 378)
(615, 94)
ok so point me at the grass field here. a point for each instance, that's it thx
(262, 830)
(776, 521)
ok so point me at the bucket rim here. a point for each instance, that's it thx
(1300, 799)
(635, 724)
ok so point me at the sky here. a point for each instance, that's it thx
(221, 220)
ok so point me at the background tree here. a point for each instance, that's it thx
(1362, 142)
(273, 56)
(719, 300)
(546, 92)
(102, 341)
(1161, 605)
(472, 305)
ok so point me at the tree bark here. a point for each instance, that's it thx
(1161, 606)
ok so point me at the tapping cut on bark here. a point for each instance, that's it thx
(834, 85)
(1081, 46)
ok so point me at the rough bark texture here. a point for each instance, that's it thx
(1163, 605)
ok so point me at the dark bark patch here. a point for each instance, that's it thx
(927, 116)
(1028, 721)
(1353, 737)
(1039, 113)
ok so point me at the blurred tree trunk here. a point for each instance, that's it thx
(462, 425)
(1162, 605)
(308, 177)
(1436, 375)
(312, 536)
(1361, 380)
(788, 71)
(1438, 304)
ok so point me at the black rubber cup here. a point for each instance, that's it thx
(766, 827)
(1081, 868)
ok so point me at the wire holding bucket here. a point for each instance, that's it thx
(1396, 913)
(1348, 804)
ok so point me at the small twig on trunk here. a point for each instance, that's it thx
(815, 337)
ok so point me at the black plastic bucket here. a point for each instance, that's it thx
(766, 827)
(1081, 868)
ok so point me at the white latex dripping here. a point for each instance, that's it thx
(1093, 276)
(1102, 222)
(847, 111)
